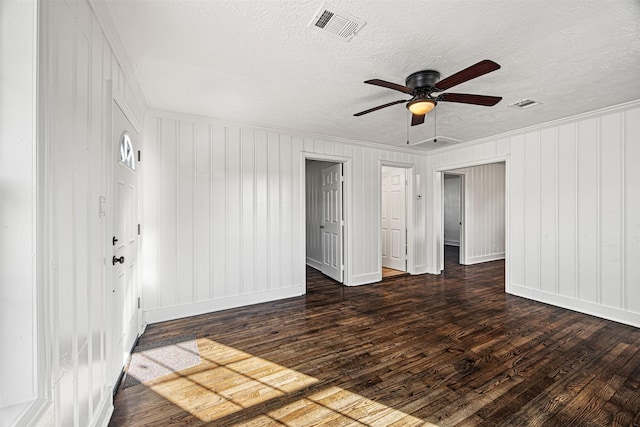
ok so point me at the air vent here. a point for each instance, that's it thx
(525, 103)
(433, 143)
(338, 24)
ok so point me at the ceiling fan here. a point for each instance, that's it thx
(422, 84)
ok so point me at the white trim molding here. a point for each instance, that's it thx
(194, 309)
(540, 126)
(102, 11)
(591, 308)
(347, 256)
(410, 214)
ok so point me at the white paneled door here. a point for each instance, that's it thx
(124, 293)
(393, 218)
(331, 226)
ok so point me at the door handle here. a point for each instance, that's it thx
(114, 240)
(116, 260)
(322, 226)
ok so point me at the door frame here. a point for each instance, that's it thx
(346, 213)
(462, 256)
(438, 220)
(409, 210)
(112, 96)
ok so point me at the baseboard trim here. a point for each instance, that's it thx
(421, 269)
(365, 279)
(33, 413)
(314, 264)
(105, 410)
(433, 270)
(202, 307)
(484, 258)
(590, 308)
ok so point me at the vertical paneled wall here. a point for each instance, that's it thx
(75, 64)
(18, 382)
(224, 219)
(217, 206)
(573, 211)
(484, 212)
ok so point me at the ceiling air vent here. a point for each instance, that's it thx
(525, 103)
(338, 24)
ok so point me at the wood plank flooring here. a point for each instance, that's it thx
(450, 350)
(390, 272)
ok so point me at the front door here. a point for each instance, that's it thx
(124, 292)
(393, 217)
(331, 224)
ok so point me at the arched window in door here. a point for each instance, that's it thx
(126, 151)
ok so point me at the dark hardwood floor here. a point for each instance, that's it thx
(413, 350)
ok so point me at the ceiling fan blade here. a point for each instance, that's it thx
(390, 85)
(379, 107)
(417, 119)
(476, 70)
(466, 98)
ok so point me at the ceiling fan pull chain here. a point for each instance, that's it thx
(435, 127)
(408, 128)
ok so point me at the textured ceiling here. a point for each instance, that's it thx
(258, 62)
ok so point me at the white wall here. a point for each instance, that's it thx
(451, 202)
(573, 210)
(484, 213)
(18, 382)
(223, 214)
(76, 61)
(313, 211)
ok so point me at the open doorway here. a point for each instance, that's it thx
(480, 198)
(324, 217)
(393, 221)
(396, 219)
(453, 212)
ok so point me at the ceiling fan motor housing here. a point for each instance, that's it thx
(423, 79)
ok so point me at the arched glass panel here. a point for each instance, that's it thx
(127, 156)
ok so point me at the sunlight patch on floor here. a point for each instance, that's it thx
(229, 380)
(336, 407)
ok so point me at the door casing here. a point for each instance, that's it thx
(410, 196)
(438, 221)
(346, 213)
(393, 222)
(462, 258)
(115, 100)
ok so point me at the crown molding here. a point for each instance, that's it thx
(420, 153)
(105, 19)
(152, 112)
(558, 122)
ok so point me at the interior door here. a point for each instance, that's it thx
(451, 203)
(331, 224)
(393, 218)
(124, 292)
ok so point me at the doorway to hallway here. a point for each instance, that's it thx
(324, 217)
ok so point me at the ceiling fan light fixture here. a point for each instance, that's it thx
(421, 107)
